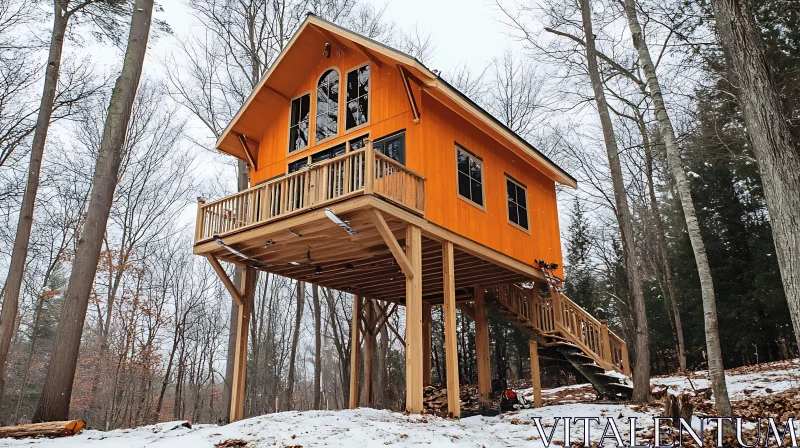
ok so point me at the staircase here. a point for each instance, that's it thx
(566, 332)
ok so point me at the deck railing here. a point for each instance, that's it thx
(317, 185)
(559, 314)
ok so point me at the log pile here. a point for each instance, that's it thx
(434, 400)
(46, 429)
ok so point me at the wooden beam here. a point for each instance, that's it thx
(363, 50)
(249, 277)
(482, 346)
(414, 322)
(237, 296)
(426, 344)
(355, 348)
(391, 242)
(409, 93)
(246, 148)
(536, 380)
(450, 337)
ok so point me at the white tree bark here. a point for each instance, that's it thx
(715, 369)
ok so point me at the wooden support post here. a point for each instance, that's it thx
(536, 380)
(199, 224)
(369, 353)
(482, 345)
(240, 354)
(369, 169)
(626, 365)
(450, 337)
(414, 322)
(426, 344)
(355, 348)
(605, 342)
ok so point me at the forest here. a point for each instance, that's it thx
(684, 233)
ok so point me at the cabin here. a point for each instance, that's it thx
(372, 175)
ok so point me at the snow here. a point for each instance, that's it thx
(365, 427)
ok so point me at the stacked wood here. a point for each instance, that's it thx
(46, 429)
(434, 399)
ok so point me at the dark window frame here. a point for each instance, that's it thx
(470, 180)
(401, 135)
(366, 95)
(317, 114)
(299, 122)
(515, 203)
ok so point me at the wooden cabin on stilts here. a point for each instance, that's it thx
(370, 174)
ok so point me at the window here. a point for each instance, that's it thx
(298, 165)
(357, 111)
(517, 203)
(358, 143)
(329, 153)
(470, 176)
(393, 146)
(327, 120)
(298, 122)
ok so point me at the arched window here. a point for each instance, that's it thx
(327, 105)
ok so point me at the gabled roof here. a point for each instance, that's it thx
(229, 141)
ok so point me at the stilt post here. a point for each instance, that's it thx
(536, 380)
(450, 340)
(426, 344)
(414, 321)
(240, 353)
(482, 345)
(369, 353)
(355, 348)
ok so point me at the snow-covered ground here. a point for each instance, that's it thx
(364, 428)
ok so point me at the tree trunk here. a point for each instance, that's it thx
(55, 399)
(22, 238)
(715, 369)
(777, 155)
(301, 293)
(663, 253)
(317, 346)
(641, 369)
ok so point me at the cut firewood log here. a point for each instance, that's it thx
(46, 429)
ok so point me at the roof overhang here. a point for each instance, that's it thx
(230, 141)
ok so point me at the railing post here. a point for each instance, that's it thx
(369, 168)
(626, 366)
(604, 341)
(558, 311)
(200, 224)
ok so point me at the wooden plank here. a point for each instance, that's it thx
(355, 348)
(450, 337)
(409, 93)
(414, 322)
(482, 346)
(391, 242)
(536, 380)
(467, 309)
(240, 354)
(250, 159)
(426, 344)
(45, 429)
(237, 296)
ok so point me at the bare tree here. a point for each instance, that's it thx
(641, 372)
(98, 11)
(716, 370)
(55, 399)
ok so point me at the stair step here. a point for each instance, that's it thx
(620, 386)
(595, 366)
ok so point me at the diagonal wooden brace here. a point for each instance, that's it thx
(391, 242)
(232, 289)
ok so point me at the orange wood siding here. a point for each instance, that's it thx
(435, 158)
(430, 150)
